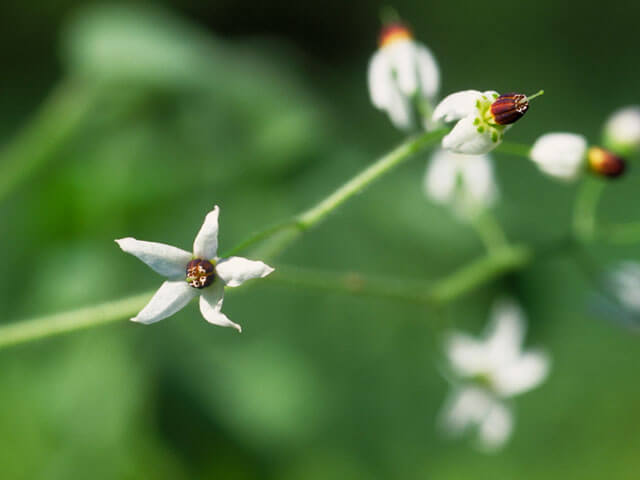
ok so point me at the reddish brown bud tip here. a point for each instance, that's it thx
(605, 163)
(509, 108)
(393, 32)
(200, 273)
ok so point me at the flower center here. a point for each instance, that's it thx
(200, 273)
(485, 121)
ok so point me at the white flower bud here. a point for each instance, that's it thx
(561, 155)
(622, 130)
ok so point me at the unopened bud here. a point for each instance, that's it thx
(605, 163)
(393, 32)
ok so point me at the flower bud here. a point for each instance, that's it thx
(509, 108)
(393, 32)
(605, 163)
(560, 155)
(622, 131)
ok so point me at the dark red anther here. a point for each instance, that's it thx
(509, 108)
(605, 163)
(200, 273)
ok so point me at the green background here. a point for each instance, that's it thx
(262, 108)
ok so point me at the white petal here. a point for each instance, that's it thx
(428, 72)
(506, 332)
(440, 177)
(211, 304)
(560, 155)
(236, 270)
(457, 105)
(380, 79)
(623, 127)
(496, 427)
(522, 375)
(403, 63)
(465, 138)
(468, 356)
(478, 179)
(465, 408)
(625, 282)
(205, 245)
(168, 261)
(384, 91)
(170, 297)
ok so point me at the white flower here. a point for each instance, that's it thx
(465, 182)
(625, 281)
(192, 274)
(622, 130)
(472, 134)
(492, 369)
(402, 72)
(561, 155)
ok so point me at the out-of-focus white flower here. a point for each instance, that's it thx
(565, 156)
(465, 182)
(561, 155)
(189, 275)
(472, 407)
(625, 282)
(403, 76)
(622, 130)
(492, 369)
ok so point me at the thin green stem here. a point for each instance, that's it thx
(584, 211)
(519, 149)
(489, 230)
(284, 236)
(437, 294)
(621, 234)
(52, 126)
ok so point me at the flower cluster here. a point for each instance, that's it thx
(488, 372)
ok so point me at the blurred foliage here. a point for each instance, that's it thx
(317, 386)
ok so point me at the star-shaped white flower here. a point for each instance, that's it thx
(401, 73)
(188, 275)
(482, 119)
(492, 370)
(465, 182)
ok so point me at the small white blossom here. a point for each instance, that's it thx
(561, 155)
(491, 370)
(403, 75)
(625, 282)
(475, 133)
(622, 130)
(188, 274)
(465, 182)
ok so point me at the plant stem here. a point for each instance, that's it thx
(314, 215)
(584, 211)
(54, 123)
(519, 149)
(489, 230)
(621, 234)
(451, 287)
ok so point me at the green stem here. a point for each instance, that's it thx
(584, 211)
(621, 234)
(56, 121)
(489, 230)
(510, 148)
(314, 215)
(444, 291)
